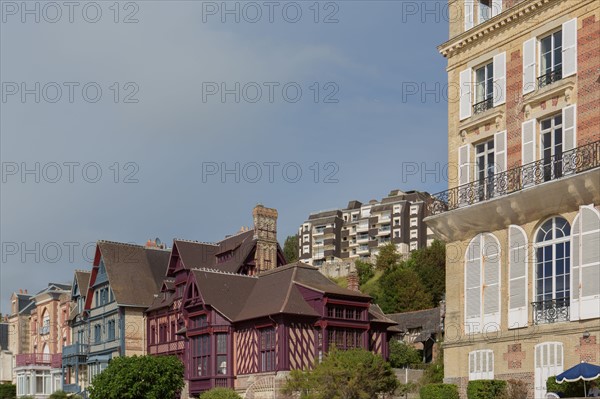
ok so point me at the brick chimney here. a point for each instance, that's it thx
(353, 281)
(265, 232)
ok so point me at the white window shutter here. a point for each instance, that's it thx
(569, 117)
(569, 48)
(464, 164)
(529, 69)
(517, 287)
(466, 85)
(491, 283)
(588, 261)
(500, 79)
(496, 7)
(469, 14)
(500, 151)
(473, 286)
(528, 142)
(575, 269)
(490, 365)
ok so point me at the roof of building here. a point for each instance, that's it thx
(83, 280)
(428, 320)
(135, 272)
(276, 291)
(239, 247)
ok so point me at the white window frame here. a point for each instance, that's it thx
(481, 365)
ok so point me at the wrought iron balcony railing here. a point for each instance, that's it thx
(551, 311)
(568, 163)
(550, 77)
(483, 105)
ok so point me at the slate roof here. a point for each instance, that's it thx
(135, 272)
(196, 254)
(428, 320)
(83, 281)
(239, 297)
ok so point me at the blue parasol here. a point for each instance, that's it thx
(582, 371)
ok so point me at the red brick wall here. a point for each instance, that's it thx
(588, 80)
(514, 107)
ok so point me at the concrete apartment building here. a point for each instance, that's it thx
(522, 220)
(357, 231)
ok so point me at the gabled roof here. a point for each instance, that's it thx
(428, 320)
(82, 278)
(134, 272)
(239, 297)
(240, 246)
(225, 292)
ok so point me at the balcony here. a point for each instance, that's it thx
(167, 348)
(571, 162)
(549, 78)
(561, 183)
(75, 350)
(483, 106)
(71, 388)
(39, 359)
(551, 311)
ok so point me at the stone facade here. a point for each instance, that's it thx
(527, 184)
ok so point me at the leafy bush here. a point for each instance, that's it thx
(486, 389)
(148, 377)
(8, 391)
(365, 271)
(439, 391)
(220, 393)
(434, 373)
(59, 395)
(516, 389)
(402, 355)
(353, 373)
(569, 389)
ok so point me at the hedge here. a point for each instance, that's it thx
(486, 389)
(439, 391)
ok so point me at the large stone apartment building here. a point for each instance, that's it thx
(359, 230)
(522, 219)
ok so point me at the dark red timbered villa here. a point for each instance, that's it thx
(237, 316)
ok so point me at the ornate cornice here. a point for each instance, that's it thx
(499, 22)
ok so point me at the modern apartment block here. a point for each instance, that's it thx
(359, 230)
(522, 219)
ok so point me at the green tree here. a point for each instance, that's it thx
(434, 373)
(59, 395)
(139, 377)
(402, 355)
(365, 271)
(352, 374)
(388, 257)
(291, 248)
(430, 264)
(401, 290)
(220, 393)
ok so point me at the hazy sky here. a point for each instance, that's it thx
(117, 119)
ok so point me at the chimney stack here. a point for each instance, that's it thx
(265, 234)
(353, 281)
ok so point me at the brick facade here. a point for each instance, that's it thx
(514, 107)
(588, 96)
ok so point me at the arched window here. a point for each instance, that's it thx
(552, 271)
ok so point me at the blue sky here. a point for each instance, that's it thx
(157, 132)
